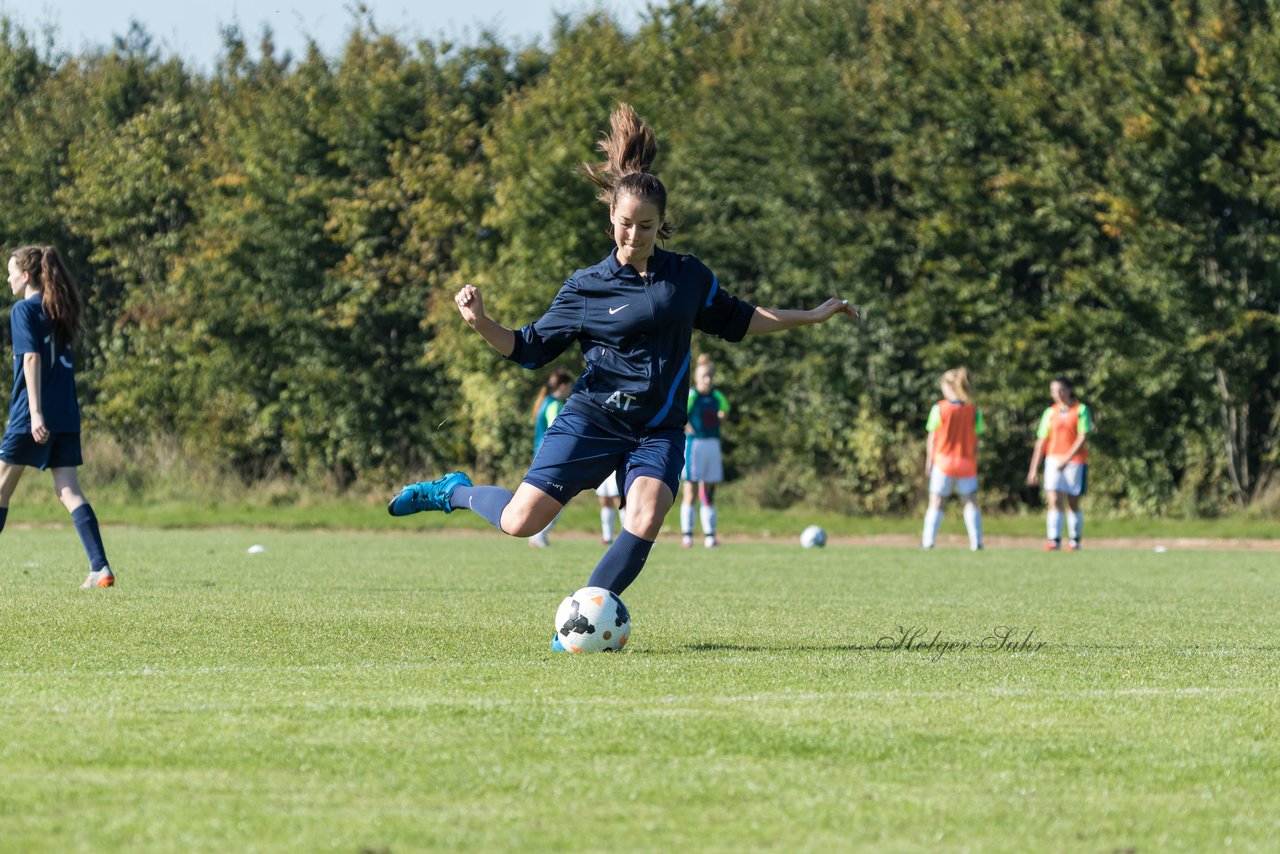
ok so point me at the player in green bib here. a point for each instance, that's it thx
(551, 398)
(704, 465)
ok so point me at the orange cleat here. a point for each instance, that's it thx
(1050, 546)
(101, 578)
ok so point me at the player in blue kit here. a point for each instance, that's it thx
(633, 316)
(44, 416)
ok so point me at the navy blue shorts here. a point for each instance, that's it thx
(577, 453)
(62, 451)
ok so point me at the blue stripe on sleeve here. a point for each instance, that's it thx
(671, 396)
(715, 286)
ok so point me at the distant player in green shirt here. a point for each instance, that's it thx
(550, 401)
(1062, 443)
(703, 465)
(951, 456)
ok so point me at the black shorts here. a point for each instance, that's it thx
(577, 453)
(62, 451)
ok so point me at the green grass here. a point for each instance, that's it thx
(394, 692)
(280, 505)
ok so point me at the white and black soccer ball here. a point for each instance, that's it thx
(593, 620)
(813, 537)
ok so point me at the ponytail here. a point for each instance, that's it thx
(59, 296)
(629, 150)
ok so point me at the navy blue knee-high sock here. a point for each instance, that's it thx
(621, 563)
(87, 528)
(486, 501)
(4, 514)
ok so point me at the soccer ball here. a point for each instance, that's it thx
(813, 537)
(593, 620)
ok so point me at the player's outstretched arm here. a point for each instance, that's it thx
(471, 307)
(766, 320)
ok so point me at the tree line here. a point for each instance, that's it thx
(1087, 188)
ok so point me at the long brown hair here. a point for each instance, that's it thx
(629, 150)
(558, 378)
(58, 293)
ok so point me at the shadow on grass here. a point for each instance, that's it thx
(737, 647)
(972, 648)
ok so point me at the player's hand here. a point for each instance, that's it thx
(38, 431)
(1033, 477)
(470, 304)
(834, 306)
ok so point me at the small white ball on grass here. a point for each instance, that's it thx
(256, 549)
(813, 537)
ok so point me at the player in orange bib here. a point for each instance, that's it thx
(1060, 441)
(951, 458)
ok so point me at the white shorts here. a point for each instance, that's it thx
(1073, 478)
(608, 487)
(941, 484)
(702, 461)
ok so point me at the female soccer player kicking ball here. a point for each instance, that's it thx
(633, 316)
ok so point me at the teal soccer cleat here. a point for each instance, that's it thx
(556, 646)
(433, 495)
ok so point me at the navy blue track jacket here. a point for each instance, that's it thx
(634, 336)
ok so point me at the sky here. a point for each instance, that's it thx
(192, 29)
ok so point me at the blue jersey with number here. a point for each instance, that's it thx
(33, 333)
(635, 334)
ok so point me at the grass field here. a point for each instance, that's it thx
(394, 692)
(193, 503)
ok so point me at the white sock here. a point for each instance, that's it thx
(973, 523)
(1075, 524)
(1053, 524)
(708, 519)
(606, 522)
(932, 521)
(686, 519)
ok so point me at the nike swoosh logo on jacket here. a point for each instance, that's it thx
(637, 361)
